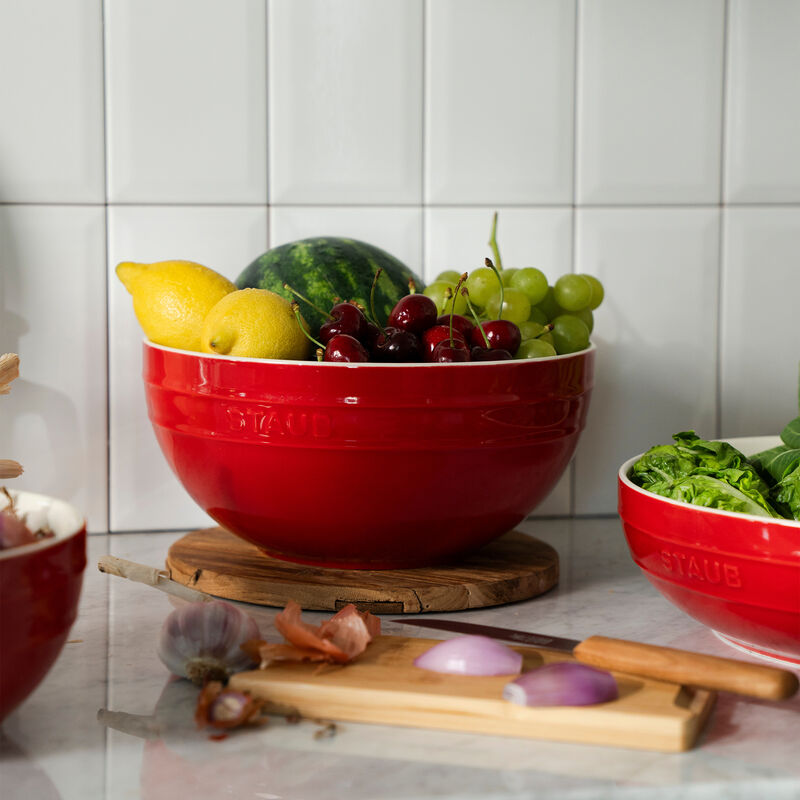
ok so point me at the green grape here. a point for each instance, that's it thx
(537, 315)
(449, 276)
(572, 292)
(507, 274)
(516, 307)
(437, 291)
(535, 348)
(598, 293)
(530, 329)
(585, 315)
(549, 307)
(569, 334)
(481, 284)
(547, 337)
(532, 281)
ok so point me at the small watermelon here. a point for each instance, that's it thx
(325, 268)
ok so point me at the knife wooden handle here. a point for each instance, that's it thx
(692, 669)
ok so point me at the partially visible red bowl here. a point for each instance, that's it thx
(739, 574)
(40, 585)
(366, 465)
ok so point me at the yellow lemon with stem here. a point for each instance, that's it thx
(172, 298)
(255, 323)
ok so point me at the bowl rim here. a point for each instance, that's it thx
(368, 364)
(767, 441)
(10, 553)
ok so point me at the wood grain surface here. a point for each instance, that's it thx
(511, 568)
(383, 686)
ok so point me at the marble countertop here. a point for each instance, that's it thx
(108, 723)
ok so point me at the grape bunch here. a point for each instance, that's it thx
(554, 319)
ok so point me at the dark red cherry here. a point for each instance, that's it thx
(460, 323)
(433, 336)
(501, 333)
(448, 351)
(414, 313)
(345, 318)
(343, 347)
(396, 345)
(483, 354)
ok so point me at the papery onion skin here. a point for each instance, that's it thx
(203, 641)
(562, 683)
(470, 655)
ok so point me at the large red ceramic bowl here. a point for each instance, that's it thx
(738, 574)
(40, 585)
(366, 465)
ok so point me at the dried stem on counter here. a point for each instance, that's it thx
(150, 576)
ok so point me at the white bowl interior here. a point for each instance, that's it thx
(42, 513)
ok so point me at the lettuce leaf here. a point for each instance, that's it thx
(703, 472)
(780, 467)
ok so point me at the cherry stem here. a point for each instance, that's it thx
(453, 307)
(372, 297)
(296, 310)
(320, 354)
(493, 243)
(472, 311)
(491, 266)
(306, 300)
(412, 286)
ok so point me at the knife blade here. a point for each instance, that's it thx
(645, 660)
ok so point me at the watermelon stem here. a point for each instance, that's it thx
(306, 300)
(472, 311)
(300, 322)
(493, 243)
(491, 266)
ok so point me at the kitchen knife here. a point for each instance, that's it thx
(645, 660)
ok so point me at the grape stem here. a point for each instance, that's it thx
(493, 243)
(492, 267)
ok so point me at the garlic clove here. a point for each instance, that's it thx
(203, 641)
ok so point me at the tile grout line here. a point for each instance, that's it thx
(423, 161)
(574, 208)
(267, 121)
(106, 265)
(721, 250)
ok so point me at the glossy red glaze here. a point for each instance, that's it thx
(737, 573)
(366, 465)
(40, 585)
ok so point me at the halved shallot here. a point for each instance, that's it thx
(470, 655)
(562, 683)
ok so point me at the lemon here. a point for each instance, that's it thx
(172, 298)
(254, 323)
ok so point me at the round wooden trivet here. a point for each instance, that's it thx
(513, 567)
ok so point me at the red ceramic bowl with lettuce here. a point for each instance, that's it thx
(738, 573)
(40, 585)
(366, 465)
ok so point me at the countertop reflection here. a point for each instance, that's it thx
(109, 723)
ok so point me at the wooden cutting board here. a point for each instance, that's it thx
(383, 686)
(511, 568)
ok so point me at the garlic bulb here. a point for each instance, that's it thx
(202, 641)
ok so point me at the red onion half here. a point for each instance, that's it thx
(471, 655)
(562, 683)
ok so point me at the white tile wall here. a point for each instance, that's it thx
(655, 143)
